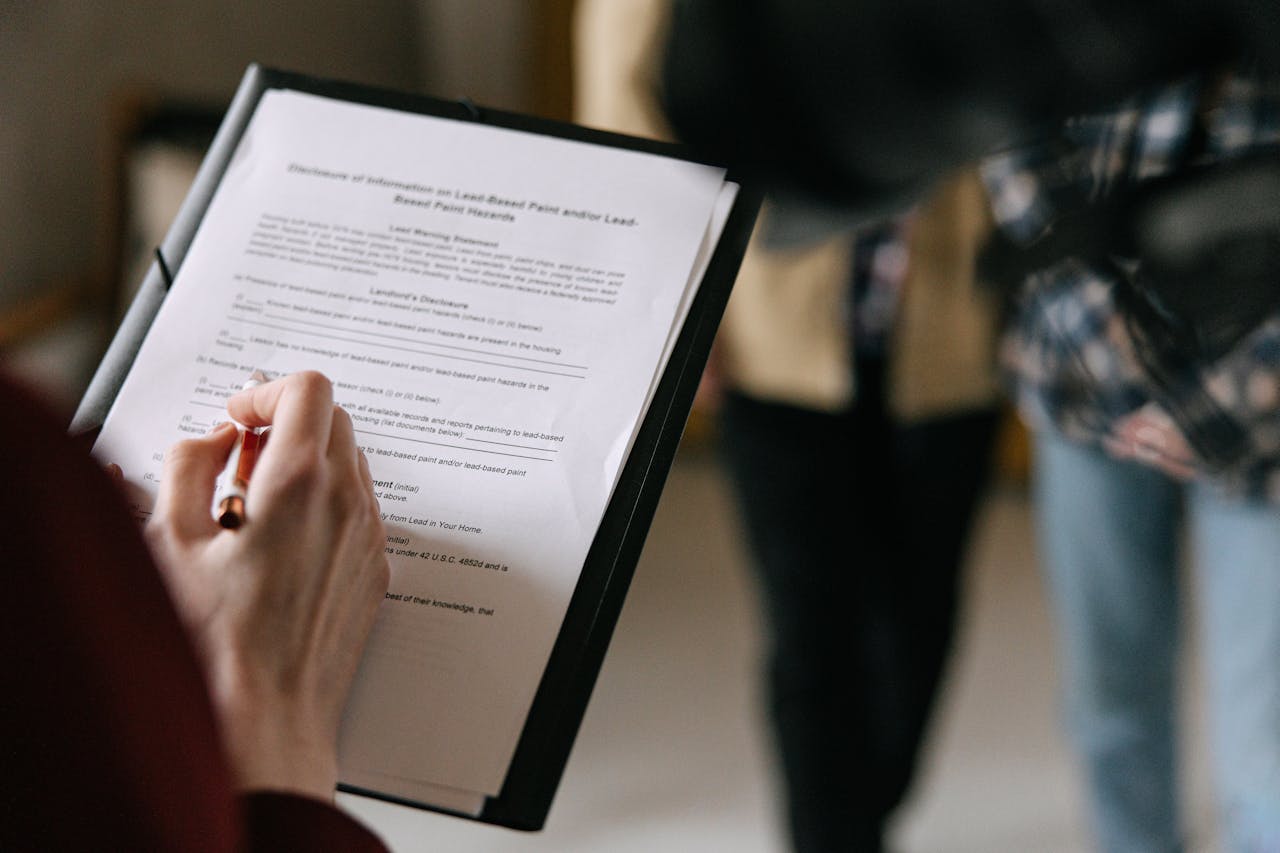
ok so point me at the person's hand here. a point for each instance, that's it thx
(1150, 436)
(281, 607)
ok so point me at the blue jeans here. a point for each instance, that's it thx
(1109, 533)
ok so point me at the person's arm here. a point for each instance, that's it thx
(110, 739)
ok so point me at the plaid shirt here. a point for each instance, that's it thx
(1068, 353)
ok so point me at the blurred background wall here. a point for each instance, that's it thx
(77, 78)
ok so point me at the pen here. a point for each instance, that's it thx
(234, 480)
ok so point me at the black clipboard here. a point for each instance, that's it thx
(565, 688)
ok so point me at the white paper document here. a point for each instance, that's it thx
(494, 308)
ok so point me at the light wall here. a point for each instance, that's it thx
(63, 61)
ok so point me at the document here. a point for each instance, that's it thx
(494, 309)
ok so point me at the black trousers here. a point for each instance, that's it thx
(858, 528)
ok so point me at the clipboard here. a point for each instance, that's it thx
(565, 687)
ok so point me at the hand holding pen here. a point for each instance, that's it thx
(281, 607)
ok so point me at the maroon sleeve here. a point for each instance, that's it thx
(283, 823)
(107, 736)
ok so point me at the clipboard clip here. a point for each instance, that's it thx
(470, 106)
(165, 273)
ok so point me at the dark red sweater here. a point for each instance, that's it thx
(107, 735)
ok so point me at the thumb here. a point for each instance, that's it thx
(190, 473)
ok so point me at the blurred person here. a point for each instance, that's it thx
(1148, 334)
(857, 409)
(857, 109)
(185, 696)
(858, 514)
(1147, 414)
